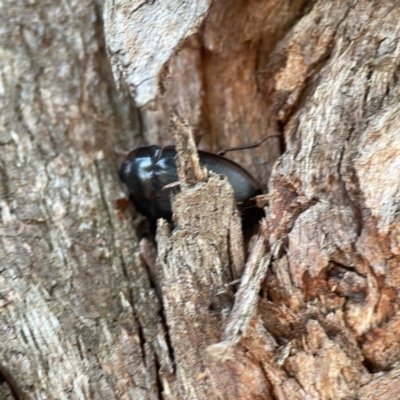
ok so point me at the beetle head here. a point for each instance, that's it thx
(139, 163)
(137, 169)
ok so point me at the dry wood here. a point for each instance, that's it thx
(80, 318)
(195, 276)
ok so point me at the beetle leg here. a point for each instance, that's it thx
(172, 185)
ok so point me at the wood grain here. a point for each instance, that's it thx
(308, 309)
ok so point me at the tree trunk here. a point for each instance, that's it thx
(308, 310)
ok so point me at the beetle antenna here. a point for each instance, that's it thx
(247, 146)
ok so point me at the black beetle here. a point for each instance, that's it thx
(148, 169)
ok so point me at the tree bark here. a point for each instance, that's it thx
(308, 309)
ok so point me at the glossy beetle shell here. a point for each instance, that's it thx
(147, 169)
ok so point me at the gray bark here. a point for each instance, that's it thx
(80, 316)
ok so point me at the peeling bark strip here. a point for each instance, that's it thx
(187, 162)
(142, 35)
(246, 300)
(195, 277)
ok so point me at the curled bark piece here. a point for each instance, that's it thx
(142, 35)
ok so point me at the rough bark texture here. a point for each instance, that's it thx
(313, 312)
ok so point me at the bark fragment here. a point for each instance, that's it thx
(194, 265)
(143, 35)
